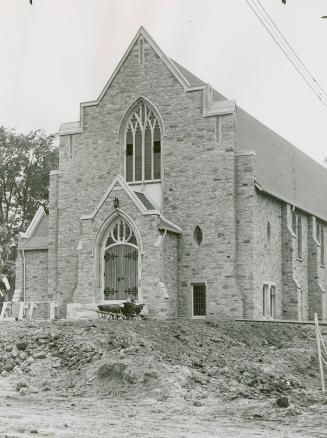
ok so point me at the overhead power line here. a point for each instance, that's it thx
(287, 49)
(300, 61)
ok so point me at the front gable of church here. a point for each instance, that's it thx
(145, 71)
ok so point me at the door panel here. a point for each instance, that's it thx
(121, 272)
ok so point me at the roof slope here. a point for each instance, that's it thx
(282, 170)
(39, 239)
(191, 78)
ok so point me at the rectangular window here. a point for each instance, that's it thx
(199, 300)
(265, 289)
(269, 300)
(272, 303)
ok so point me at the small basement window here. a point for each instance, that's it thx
(199, 300)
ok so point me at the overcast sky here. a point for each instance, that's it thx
(58, 53)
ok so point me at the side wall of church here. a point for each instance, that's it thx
(169, 273)
(36, 275)
(53, 236)
(322, 276)
(317, 275)
(295, 268)
(89, 161)
(268, 254)
(268, 251)
(299, 278)
(245, 235)
(19, 272)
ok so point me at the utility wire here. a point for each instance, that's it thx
(299, 59)
(299, 68)
(311, 81)
(280, 45)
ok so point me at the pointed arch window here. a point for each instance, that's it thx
(143, 145)
(320, 236)
(294, 222)
(322, 245)
(299, 237)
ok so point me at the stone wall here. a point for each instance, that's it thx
(89, 287)
(19, 273)
(169, 273)
(322, 275)
(203, 184)
(36, 275)
(317, 275)
(190, 196)
(268, 251)
(53, 236)
(204, 195)
(245, 238)
(295, 269)
(300, 268)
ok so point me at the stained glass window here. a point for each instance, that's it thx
(143, 145)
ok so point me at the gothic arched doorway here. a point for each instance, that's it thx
(120, 262)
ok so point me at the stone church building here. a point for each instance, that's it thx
(170, 194)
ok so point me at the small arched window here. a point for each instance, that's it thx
(294, 222)
(318, 232)
(197, 235)
(322, 246)
(268, 231)
(299, 236)
(143, 145)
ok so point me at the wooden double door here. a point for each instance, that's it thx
(121, 272)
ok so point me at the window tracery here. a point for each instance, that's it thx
(121, 233)
(143, 145)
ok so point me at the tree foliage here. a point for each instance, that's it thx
(25, 163)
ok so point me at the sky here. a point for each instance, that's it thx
(58, 53)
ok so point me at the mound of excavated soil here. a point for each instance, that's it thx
(161, 359)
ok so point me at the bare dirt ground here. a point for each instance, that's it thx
(159, 379)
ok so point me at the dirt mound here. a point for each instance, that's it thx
(192, 360)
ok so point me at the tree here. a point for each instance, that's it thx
(25, 163)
